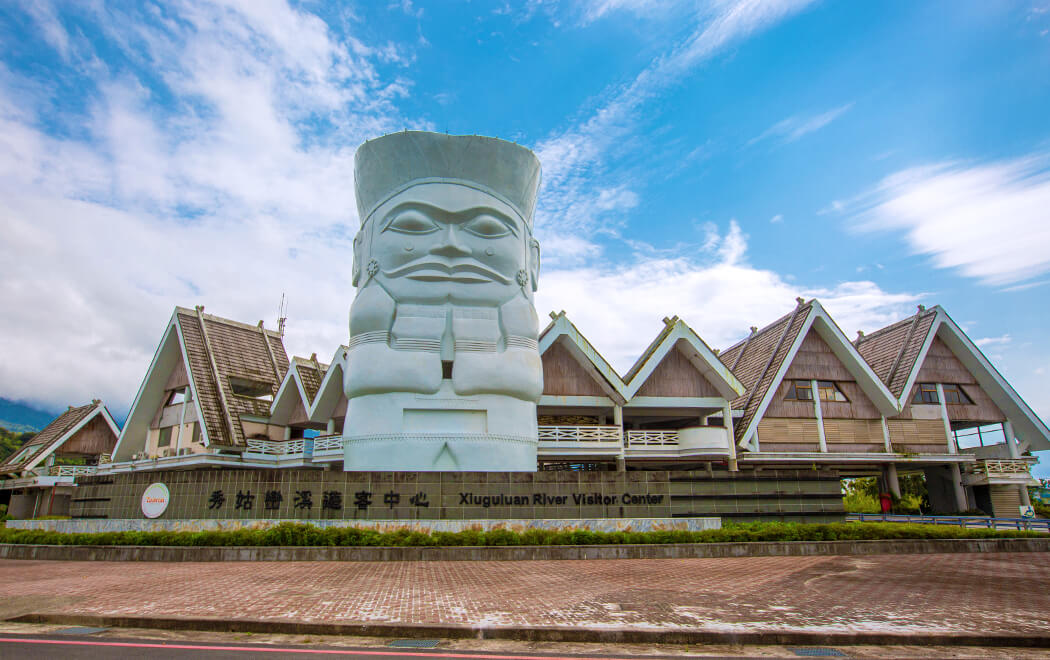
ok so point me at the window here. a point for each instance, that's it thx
(954, 394)
(176, 397)
(252, 389)
(926, 393)
(165, 437)
(829, 391)
(800, 390)
(196, 437)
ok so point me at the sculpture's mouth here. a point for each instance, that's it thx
(468, 272)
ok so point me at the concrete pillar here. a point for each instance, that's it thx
(727, 422)
(960, 492)
(287, 433)
(1025, 500)
(820, 416)
(947, 423)
(621, 460)
(886, 436)
(182, 419)
(889, 474)
(330, 429)
(621, 464)
(1011, 441)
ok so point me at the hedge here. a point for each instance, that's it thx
(298, 534)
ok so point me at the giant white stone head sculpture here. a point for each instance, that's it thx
(443, 371)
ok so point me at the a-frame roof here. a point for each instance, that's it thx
(300, 386)
(330, 388)
(55, 434)
(761, 360)
(561, 328)
(893, 351)
(933, 323)
(699, 355)
(212, 349)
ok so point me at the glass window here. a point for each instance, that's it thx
(165, 437)
(954, 394)
(926, 393)
(799, 390)
(176, 397)
(252, 389)
(829, 391)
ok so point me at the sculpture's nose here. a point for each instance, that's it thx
(450, 246)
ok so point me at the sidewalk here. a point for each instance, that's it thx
(832, 598)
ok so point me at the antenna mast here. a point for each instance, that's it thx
(282, 315)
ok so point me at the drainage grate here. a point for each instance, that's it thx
(818, 652)
(79, 630)
(415, 643)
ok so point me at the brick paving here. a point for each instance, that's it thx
(1007, 593)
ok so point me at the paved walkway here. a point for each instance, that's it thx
(957, 593)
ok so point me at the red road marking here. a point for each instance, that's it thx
(421, 654)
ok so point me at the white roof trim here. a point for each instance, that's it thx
(100, 409)
(1027, 425)
(829, 331)
(585, 354)
(279, 406)
(715, 373)
(315, 412)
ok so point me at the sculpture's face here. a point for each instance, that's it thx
(445, 242)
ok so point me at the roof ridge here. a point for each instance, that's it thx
(773, 354)
(669, 325)
(230, 322)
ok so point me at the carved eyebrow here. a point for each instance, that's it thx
(449, 217)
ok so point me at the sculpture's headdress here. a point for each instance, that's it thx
(390, 164)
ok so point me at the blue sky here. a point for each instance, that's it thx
(707, 159)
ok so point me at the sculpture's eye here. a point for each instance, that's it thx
(412, 222)
(486, 226)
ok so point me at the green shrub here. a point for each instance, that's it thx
(302, 534)
(860, 502)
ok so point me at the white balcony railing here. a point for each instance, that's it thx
(323, 443)
(995, 468)
(590, 434)
(652, 438)
(276, 447)
(72, 470)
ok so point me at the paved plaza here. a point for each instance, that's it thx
(999, 594)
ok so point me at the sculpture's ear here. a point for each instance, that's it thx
(358, 246)
(534, 263)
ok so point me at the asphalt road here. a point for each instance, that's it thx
(85, 648)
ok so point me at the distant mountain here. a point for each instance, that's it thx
(18, 417)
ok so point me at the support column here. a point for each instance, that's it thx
(889, 474)
(960, 494)
(330, 428)
(947, 425)
(886, 436)
(727, 422)
(1025, 500)
(621, 460)
(182, 419)
(820, 416)
(1011, 441)
(287, 433)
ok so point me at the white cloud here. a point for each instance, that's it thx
(793, 128)
(619, 308)
(986, 342)
(778, 218)
(578, 159)
(593, 10)
(988, 221)
(226, 193)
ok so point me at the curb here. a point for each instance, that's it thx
(516, 553)
(540, 633)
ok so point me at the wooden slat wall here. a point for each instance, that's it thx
(815, 360)
(95, 438)
(563, 375)
(853, 435)
(941, 366)
(676, 376)
(780, 434)
(779, 407)
(858, 407)
(983, 410)
(919, 436)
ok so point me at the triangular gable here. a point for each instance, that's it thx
(563, 332)
(298, 389)
(1027, 425)
(893, 351)
(678, 338)
(765, 357)
(330, 393)
(59, 432)
(168, 360)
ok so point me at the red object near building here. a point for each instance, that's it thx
(886, 500)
